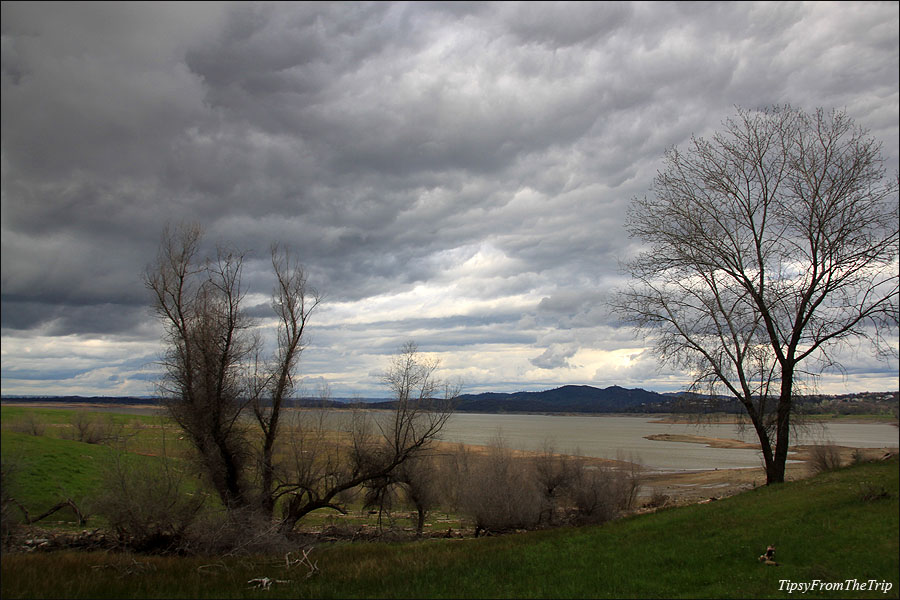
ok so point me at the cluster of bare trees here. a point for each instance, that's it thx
(230, 397)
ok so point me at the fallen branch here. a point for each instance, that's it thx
(302, 560)
(82, 518)
(264, 583)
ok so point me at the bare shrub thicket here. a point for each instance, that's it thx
(825, 457)
(599, 493)
(452, 469)
(30, 424)
(91, 428)
(9, 524)
(148, 503)
(499, 492)
(657, 500)
(553, 475)
(417, 478)
(414, 484)
(380, 495)
(502, 491)
(234, 533)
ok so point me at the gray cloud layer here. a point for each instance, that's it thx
(456, 173)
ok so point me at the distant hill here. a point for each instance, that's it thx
(568, 398)
(565, 399)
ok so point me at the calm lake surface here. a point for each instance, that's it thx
(623, 437)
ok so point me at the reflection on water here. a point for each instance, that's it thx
(623, 437)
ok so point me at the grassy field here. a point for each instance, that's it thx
(51, 467)
(832, 528)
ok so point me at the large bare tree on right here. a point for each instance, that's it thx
(765, 249)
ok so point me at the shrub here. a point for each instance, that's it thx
(236, 532)
(90, 428)
(553, 474)
(825, 457)
(146, 503)
(30, 424)
(599, 493)
(498, 491)
(869, 492)
(657, 500)
(9, 524)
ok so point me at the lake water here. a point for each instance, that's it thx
(623, 437)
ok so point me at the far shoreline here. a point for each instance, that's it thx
(660, 417)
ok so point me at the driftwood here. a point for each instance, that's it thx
(302, 561)
(264, 583)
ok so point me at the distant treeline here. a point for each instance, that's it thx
(569, 399)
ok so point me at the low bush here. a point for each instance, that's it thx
(8, 521)
(657, 500)
(30, 424)
(870, 492)
(498, 491)
(91, 428)
(599, 494)
(501, 491)
(825, 457)
(147, 503)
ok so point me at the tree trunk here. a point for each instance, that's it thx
(775, 474)
(420, 525)
(766, 447)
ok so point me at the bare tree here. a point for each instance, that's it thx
(208, 343)
(293, 303)
(30, 424)
(767, 247)
(418, 479)
(147, 502)
(329, 458)
(214, 368)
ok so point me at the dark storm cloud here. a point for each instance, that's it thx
(55, 319)
(445, 155)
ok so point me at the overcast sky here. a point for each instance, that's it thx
(454, 174)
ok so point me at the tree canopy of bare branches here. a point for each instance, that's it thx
(213, 364)
(375, 444)
(766, 248)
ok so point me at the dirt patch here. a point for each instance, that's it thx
(699, 439)
(704, 486)
(697, 419)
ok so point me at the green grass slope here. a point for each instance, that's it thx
(832, 528)
(46, 470)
